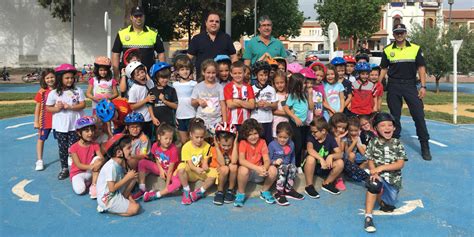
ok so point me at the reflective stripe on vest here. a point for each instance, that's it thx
(401, 55)
(132, 39)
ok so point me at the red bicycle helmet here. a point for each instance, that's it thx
(226, 127)
(349, 59)
(318, 64)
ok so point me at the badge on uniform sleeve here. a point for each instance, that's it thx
(127, 37)
(392, 54)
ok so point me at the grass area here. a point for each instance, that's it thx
(470, 110)
(437, 116)
(443, 97)
(8, 96)
(15, 110)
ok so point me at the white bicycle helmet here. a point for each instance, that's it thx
(131, 67)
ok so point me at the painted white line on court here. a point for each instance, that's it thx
(407, 208)
(19, 125)
(434, 142)
(19, 190)
(27, 136)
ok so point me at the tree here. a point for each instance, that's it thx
(466, 52)
(366, 15)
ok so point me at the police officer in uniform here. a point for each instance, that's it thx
(137, 35)
(402, 60)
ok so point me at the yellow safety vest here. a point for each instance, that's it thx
(144, 39)
(399, 55)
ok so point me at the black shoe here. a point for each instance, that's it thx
(281, 199)
(425, 151)
(311, 192)
(294, 195)
(63, 174)
(369, 225)
(219, 198)
(386, 208)
(331, 188)
(229, 196)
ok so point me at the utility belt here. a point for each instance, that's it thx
(402, 81)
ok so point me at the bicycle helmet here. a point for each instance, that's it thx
(260, 65)
(158, 66)
(134, 117)
(128, 52)
(318, 64)
(85, 121)
(382, 116)
(363, 67)
(310, 59)
(308, 73)
(362, 56)
(102, 61)
(222, 57)
(336, 61)
(131, 67)
(105, 110)
(225, 127)
(294, 67)
(374, 66)
(349, 59)
(272, 62)
(63, 68)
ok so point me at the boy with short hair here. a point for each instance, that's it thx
(324, 158)
(166, 100)
(378, 92)
(239, 96)
(386, 156)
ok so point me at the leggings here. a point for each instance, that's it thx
(286, 177)
(267, 132)
(148, 166)
(65, 140)
(81, 181)
(353, 171)
(299, 138)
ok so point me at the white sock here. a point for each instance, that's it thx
(368, 215)
(186, 188)
(142, 187)
(203, 190)
(158, 194)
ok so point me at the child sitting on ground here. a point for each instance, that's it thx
(282, 155)
(354, 158)
(386, 158)
(254, 163)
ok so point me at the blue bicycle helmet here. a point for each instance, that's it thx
(374, 66)
(338, 61)
(158, 67)
(85, 121)
(105, 110)
(134, 117)
(363, 67)
(222, 57)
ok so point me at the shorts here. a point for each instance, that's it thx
(254, 177)
(359, 159)
(389, 193)
(193, 176)
(183, 125)
(118, 204)
(321, 172)
(43, 133)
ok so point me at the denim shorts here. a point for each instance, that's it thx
(183, 125)
(389, 193)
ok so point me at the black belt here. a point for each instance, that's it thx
(402, 81)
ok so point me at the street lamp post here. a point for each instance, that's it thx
(72, 33)
(450, 2)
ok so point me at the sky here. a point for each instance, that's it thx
(307, 6)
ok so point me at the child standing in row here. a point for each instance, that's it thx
(102, 85)
(378, 93)
(340, 65)
(184, 89)
(279, 115)
(208, 97)
(350, 68)
(363, 99)
(334, 92)
(223, 69)
(254, 163)
(43, 119)
(282, 155)
(66, 103)
(265, 99)
(166, 100)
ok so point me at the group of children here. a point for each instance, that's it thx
(222, 131)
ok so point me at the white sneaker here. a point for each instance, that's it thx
(300, 170)
(39, 165)
(69, 160)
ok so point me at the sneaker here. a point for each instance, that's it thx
(267, 196)
(299, 170)
(136, 196)
(386, 208)
(239, 200)
(93, 191)
(311, 192)
(281, 199)
(39, 165)
(186, 200)
(340, 184)
(294, 195)
(149, 196)
(219, 198)
(100, 209)
(196, 195)
(331, 188)
(63, 174)
(69, 160)
(229, 197)
(369, 225)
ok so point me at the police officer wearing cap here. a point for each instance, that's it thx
(401, 61)
(137, 35)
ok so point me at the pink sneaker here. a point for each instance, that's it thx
(196, 195)
(93, 191)
(149, 196)
(136, 196)
(340, 184)
(186, 200)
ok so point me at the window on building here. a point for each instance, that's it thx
(296, 47)
(397, 20)
(429, 22)
(307, 47)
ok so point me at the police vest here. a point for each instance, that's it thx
(401, 55)
(144, 39)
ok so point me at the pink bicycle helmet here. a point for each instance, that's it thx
(318, 64)
(65, 68)
(102, 61)
(294, 67)
(308, 73)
